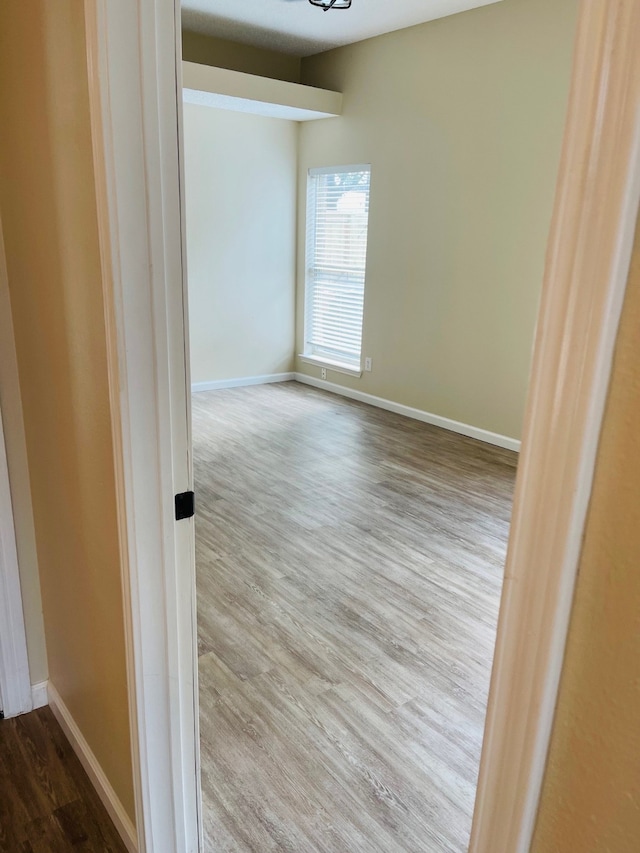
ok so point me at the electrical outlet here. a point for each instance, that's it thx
(323, 373)
(367, 365)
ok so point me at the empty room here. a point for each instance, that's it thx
(368, 194)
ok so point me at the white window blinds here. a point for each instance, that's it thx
(337, 220)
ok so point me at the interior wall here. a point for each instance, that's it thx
(240, 173)
(18, 465)
(590, 793)
(49, 218)
(462, 120)
(209, 50)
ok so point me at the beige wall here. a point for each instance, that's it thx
(208, 50)
(462, 120)
(48, 211)
(240, 197)
(591, 795)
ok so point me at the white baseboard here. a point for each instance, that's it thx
(39, 694)
(417, 414)
(94, 771)
(218, 384)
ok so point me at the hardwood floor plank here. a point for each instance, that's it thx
(349, 568)
(47, 803)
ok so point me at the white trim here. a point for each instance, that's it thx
(136, 95)
(15, 686)
(94, 771)
(218, 384)
(338, 355)
(417, 414)
(40, 694)
(339, 170)
(588, 258)
(337, 366)
(96, 61)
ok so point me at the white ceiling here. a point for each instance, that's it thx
(297, 27)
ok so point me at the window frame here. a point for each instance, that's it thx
(308, 354)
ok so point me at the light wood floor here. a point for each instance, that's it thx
(349, 569)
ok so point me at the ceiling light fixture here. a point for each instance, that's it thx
(331, 4)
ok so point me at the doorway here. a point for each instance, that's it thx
(350, 559)
(552, 503)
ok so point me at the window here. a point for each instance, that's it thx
(337, 220)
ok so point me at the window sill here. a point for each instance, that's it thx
(331, 365)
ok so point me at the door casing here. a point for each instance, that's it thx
(16, 695)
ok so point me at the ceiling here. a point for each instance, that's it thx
(297, 27)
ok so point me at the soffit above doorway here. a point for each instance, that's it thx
(298, 28)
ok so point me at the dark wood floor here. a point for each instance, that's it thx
(47, 803)
(349, 570)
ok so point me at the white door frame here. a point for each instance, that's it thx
(15, 683)
(588, 258)
(133, 59)
(135, 90)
